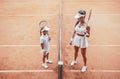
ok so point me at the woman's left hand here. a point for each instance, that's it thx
(88, 31)
(87, 35)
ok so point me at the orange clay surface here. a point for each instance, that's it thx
(19, 39)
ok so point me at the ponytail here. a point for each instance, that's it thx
(76, 23)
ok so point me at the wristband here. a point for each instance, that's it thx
(71, 39)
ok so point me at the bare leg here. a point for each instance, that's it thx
(44, 56)
(48, 60)
(83, 52)
(47, 56)
(76, 52)
(44, 64)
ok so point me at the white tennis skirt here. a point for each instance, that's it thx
(80, 41)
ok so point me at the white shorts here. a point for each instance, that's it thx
(44, 51)
(80, 41)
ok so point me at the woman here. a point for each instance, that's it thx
(79, 39)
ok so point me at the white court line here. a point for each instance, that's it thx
(30, 15)
(105, 71)
(94, 14)
(100, 45)
(112, 71)
(104, 45)
(19, 71)
(56, 45)
(23, 45)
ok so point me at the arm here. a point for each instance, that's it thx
(73, 33)
(49, 38)
(42, 46)
(88, 31)
(72, 37)
(41, 43)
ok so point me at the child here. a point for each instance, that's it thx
(44, 42)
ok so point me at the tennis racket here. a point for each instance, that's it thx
(89, 17)
(42, 24)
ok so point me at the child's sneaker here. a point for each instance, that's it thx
(73, 63)
(44, 66)
(49, 61)
(84, 68)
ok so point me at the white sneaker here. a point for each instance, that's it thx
(44, 66)
(49, 61)
(84, 68)
(73, 63)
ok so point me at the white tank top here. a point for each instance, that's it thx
(80, 29)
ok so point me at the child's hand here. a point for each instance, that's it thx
(49, 38)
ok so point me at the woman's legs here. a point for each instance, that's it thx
(75, 56)
(83, 52)
(47, 56)
(76, 52)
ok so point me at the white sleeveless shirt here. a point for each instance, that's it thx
(80, 29)
(80, 41)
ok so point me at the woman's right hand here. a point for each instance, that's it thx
(71, 41)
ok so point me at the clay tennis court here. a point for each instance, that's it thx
(20, 56)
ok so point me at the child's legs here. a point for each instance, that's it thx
(44, 56)
(47, 56)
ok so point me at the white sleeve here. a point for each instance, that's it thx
(41, 40)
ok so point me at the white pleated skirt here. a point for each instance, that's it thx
(80, 41)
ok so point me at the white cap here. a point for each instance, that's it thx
(45, 28)
(78, 15)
